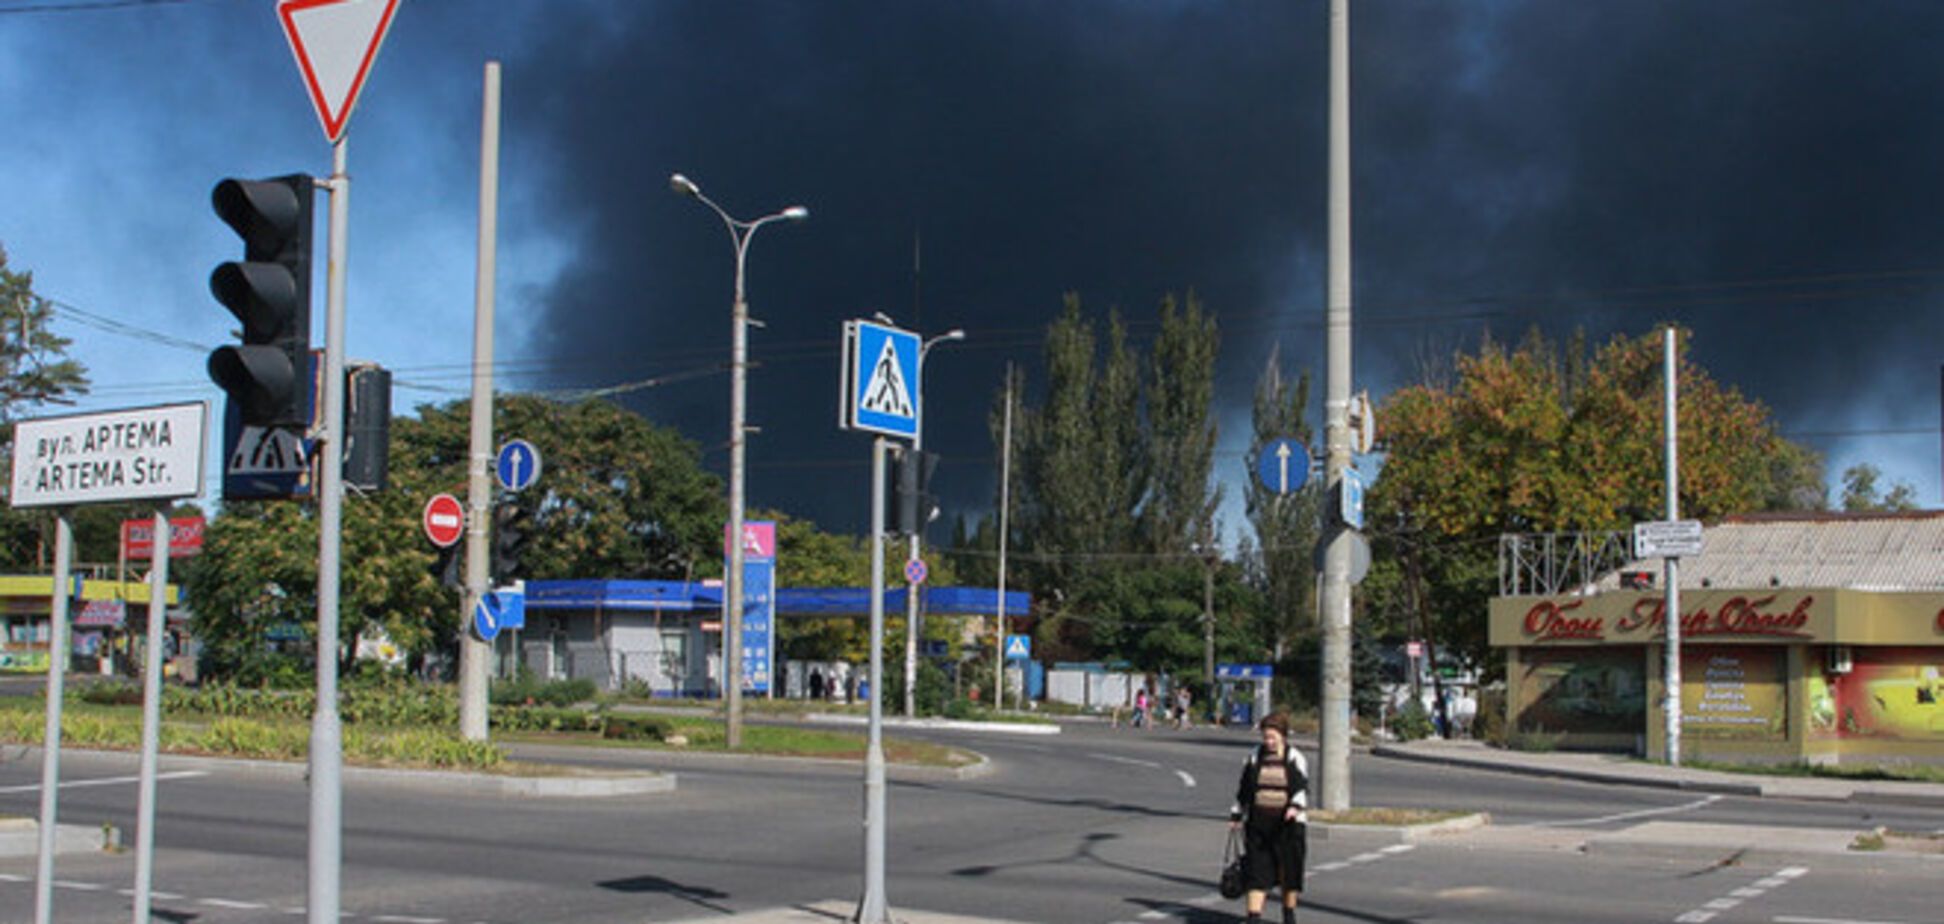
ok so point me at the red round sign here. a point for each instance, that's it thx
(445, 520)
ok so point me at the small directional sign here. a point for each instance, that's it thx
(1019, 647)
(1283, 466)
(1350, 504)
(915, 571)
(518, 466)
(880, 379)
(499, 610)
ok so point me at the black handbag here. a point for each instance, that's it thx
(1232, 885)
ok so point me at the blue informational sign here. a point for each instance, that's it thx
(758, 623)
(881, 379)
(1351, 503)
(1244, 671)
(1019, 647)
(1283, 466)
(498, 610)
(518, 466)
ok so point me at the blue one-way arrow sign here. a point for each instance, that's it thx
(519, 465)
(1283, 466)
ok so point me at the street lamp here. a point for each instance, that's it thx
(911, 586)
(740, 233)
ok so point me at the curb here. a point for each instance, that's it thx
(980, 767)
(581, 784)
(1387, 835)
(1571, 773)
(20, 837)
(1730, 845)
(1014, 728)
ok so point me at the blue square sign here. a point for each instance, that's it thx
(881, 379)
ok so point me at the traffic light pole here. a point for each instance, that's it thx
(327, 734)
(475, 654)
(1333, 780)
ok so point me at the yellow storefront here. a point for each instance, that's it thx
(98, 613)
(1826, 675)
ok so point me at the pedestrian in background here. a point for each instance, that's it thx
(1140, 708)
(1182, 699)
(1270, 807)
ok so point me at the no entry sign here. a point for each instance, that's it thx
(445, 520)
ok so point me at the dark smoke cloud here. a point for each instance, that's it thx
(1765, 172)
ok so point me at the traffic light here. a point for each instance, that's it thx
(445, 567)
(509, 539)
(909, 503)
(268, 374)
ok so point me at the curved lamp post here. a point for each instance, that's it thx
(740, 233)
(911, 587)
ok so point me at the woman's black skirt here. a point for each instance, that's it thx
(1275, 854)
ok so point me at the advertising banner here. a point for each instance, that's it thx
(758, 623)
(1738, 692)
(1582, 690)
(1889, 693)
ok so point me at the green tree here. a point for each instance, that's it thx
(35, 371)
(1281, 559)
(1525, 440)
(1860, 491)
(1179, 510)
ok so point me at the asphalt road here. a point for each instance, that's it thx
(1094, 826)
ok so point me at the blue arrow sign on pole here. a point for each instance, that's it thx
(519, 465)
(1283, 466)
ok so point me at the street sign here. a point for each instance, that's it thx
(758, 623)
(1244, 671)
(444, 520)
(1414, 649)
(915, 571)
(335, 42)
(1019, 647)
(880, 379)
(1363, 423)
(499, 610)
(518, 466)
(1667, 539)
(153, 453)
(1283, 466)
(1350, 503)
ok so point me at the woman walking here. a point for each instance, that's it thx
(1270, 803)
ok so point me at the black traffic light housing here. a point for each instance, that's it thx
(445, 567)
(510, 534)
(908, 497)
(267, 375)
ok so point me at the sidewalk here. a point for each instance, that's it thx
(1627, 771)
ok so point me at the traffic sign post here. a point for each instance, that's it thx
(518, 466)
(1019, 648)
(335, 42)
(1283, 466)
(1667, 539)
(880, 379)
(915, 571)
(444, 520)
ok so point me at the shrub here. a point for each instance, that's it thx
(544, 718)
(635, 728)
(526, 689)
(1489, 724)
(1412, 722)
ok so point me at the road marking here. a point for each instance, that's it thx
(77, 886)
(9, 877)
(1792, 919)
(1186, 780)
(228, 903)
(1708, 911)
(1126, 760)
(107, 781)
(1624, 816)
(1399, 848)
(406, 919)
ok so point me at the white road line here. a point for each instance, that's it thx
(1330, 867)
(1399, 848)
(1186, 779)
(1722, 904)
(227, 903)
(405, 919)
(1792, 919)
(78, 886)
(1695, 917)
(1792, 872)
(1126, 760)
(9, 877)
(1747, 892)
(1734, 899)
(107, 781)
(1624, 816)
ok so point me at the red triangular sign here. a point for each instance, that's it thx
(335, 42)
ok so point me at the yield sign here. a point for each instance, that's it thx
(335, 42)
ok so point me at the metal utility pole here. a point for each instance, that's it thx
(57, 655)
(872, 909)
(158, 615)
(1005, 507)
(1670, 371)
(740, 233)
(475, 654)
(1334, 763)
(327, 733)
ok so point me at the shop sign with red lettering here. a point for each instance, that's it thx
(185, 538)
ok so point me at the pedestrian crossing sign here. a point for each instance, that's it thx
(1019, 647)
(880, 379)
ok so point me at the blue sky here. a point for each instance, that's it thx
(1764, 172)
